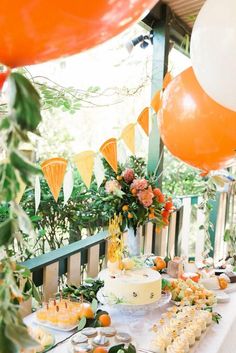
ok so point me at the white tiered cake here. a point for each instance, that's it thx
(136, 287)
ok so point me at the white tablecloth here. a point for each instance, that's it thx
(219, 338)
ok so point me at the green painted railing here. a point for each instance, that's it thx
(178, 238)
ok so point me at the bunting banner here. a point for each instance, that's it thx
(128, 136)
(143, 120)
(85, 163)
(68, 185)
(54, 171)
(89, 162)
(37, 193)
(99, 171)
(109, 152)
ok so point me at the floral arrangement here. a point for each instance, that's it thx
(136, 197)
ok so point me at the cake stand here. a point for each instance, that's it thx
(133, 310)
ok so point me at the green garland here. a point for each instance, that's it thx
(23, 117)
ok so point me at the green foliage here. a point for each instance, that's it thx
(88, 290)
(112, 202)
(24, 116)
(120, 348)
(26, 103)
(179, 179)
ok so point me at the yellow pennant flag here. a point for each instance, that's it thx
(156, 101)
(109, 152)
(54, 171)
(85, 163)
(128, 136)
(143, 120)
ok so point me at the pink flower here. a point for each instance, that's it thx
(139, 184)
(145, 197)
(128, 175)
(111, 186)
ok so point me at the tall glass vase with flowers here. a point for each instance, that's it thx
(135, 196)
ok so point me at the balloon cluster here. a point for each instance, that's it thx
(37, 31)
(195, 128)
(197, 119)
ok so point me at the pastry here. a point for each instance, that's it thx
(89, 332)
(79, 338)
(189, 335)
(108, 331)
(123, 337)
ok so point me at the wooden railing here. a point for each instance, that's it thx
(181, 237)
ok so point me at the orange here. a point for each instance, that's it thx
(151, 216)
(119, 177)
(104, 320)
(86, 310)
(100, 350)
(134, 191)
(125, 208)
(222, 283)
(130, 215)
(160, 263)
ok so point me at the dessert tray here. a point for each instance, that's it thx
(133, 309)
(54, 327)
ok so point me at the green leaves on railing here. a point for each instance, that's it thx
(25, 103)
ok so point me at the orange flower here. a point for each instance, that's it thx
(165, 214)
(161, 198)
(168, 205)
(157, 192)
(145, 197)
(130, 215)
(125, 208)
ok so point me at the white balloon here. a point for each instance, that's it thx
(213, 51)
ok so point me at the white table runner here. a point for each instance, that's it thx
(219, 339)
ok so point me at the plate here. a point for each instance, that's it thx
(134, 309)
(222, 296)
(45, 324)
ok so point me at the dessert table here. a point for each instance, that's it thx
(219, 338)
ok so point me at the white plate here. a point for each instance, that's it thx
(221, 296)
(45, 324)
(134, 309)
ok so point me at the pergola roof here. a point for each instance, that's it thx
(186, 10)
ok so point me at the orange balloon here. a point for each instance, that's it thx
(195, 128)
(34, 31)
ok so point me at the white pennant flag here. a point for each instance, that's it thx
(37, 193)
(99, 171)
(141, 139)
(123, 153)
(68, 184)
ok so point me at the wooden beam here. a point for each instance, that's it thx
(159, 68)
